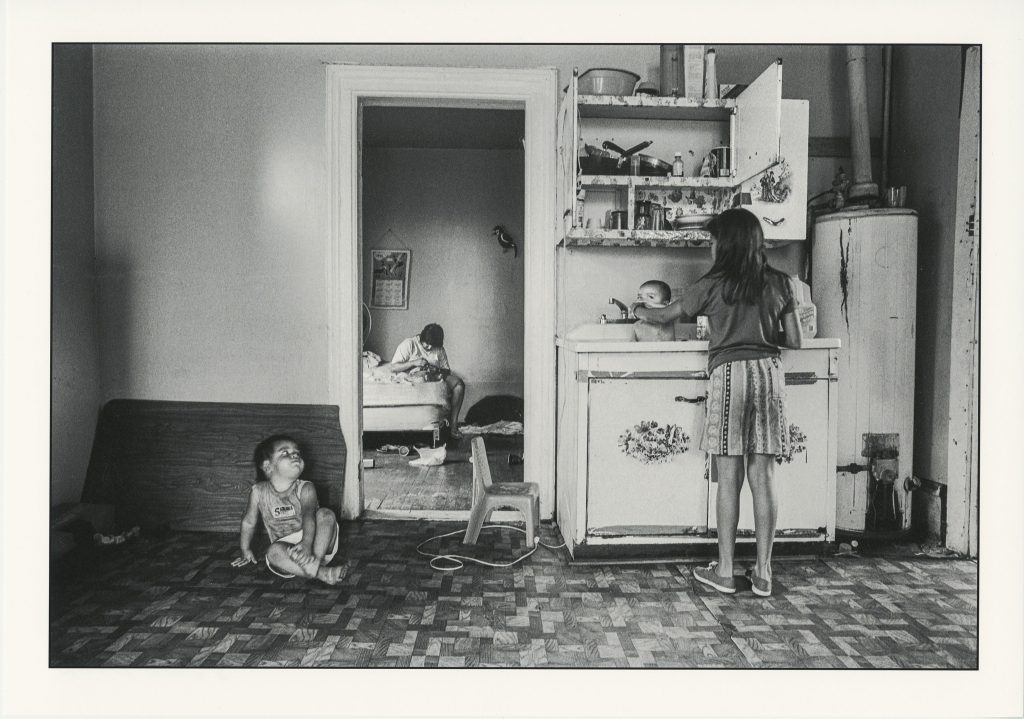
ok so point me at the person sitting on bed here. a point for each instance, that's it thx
(425, 353)
(304, 536)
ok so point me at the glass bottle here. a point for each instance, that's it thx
(677, 165)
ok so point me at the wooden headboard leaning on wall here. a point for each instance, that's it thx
(188, 465)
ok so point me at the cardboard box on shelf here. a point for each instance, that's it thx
(693, 71)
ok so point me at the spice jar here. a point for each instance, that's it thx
(677, 165)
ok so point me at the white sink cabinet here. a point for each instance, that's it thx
(618, 495)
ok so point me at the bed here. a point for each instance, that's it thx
(398, 402)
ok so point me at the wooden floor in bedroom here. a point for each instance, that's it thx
(393, 484)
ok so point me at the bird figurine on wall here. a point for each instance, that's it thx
(505, 240)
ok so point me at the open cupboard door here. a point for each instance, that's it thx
(568, 140)
(758, 130)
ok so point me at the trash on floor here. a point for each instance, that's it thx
(430, 457)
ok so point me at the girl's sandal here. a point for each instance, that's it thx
(760, 586)
(709, 576)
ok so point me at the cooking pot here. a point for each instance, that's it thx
(647, 165)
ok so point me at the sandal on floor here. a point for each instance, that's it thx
(707, 575)
(393, 448)
(760, 586)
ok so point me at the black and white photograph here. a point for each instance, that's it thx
(683, 386)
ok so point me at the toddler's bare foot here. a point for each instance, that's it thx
(332, 575)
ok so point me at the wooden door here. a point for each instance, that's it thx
(756, 141)
(646, 473)
(568, 143)
(778, 196)
(962, 444)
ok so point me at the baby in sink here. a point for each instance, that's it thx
(653, 293)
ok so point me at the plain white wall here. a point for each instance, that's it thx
(74, 350)
(442, 205)
(210, 202)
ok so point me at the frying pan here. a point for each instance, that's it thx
(648, 165)
(598, 162)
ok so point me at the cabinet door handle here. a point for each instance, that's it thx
(692, 400)
(773, 223)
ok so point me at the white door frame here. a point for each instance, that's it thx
(533, 90)
(962, 448)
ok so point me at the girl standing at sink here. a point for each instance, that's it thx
(746, 302)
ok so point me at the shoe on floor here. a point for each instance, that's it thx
(393, 449)
(760, 586)
(707, 575)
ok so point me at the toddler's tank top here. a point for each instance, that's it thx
(281, 511)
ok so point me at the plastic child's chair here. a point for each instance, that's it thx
(488, 496)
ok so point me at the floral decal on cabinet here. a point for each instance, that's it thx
(797, 443)
(651, 443)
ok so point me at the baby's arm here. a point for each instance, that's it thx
(246, 532)
(308, 500)
(302, 552)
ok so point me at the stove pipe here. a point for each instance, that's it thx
(862, 186)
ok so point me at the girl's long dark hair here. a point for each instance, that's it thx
(739, 256)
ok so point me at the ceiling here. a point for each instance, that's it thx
(443, 128)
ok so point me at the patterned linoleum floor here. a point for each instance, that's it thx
(176, 601)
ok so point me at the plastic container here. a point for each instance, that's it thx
(806, 312)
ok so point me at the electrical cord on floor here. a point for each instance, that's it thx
(458, 561)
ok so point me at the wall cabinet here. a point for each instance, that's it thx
(767, 141)
(631, 475)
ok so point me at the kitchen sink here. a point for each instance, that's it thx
(596, 332)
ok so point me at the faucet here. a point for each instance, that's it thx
(623, 318)
(623, 310)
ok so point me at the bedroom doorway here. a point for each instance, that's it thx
(436, 181)
(350, 91)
